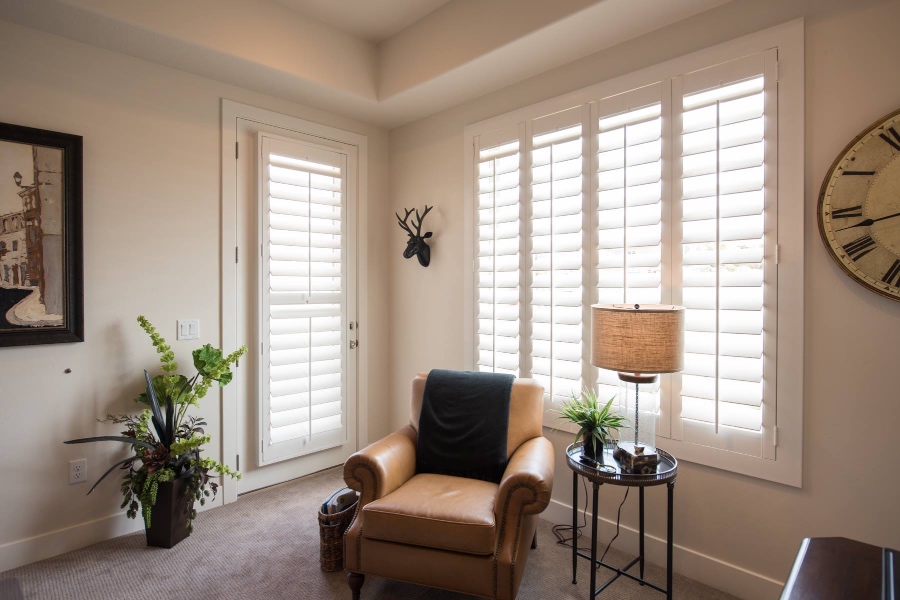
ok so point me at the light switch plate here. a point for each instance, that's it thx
(188, 329)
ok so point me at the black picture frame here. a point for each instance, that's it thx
(72, 283)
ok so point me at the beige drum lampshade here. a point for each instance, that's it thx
(646, 338)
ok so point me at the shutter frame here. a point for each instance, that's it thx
(733, 422)
(298, 418)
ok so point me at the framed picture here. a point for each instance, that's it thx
(41, 271)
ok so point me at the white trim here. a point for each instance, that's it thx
(59, 541)
(46, 545)
(788, 39)
(728, 577)
(231, 112)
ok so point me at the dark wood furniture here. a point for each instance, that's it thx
(666, 471)
(836, 568)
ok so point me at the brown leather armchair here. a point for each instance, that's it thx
(456, 534)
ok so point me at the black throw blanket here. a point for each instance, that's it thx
(464, 424)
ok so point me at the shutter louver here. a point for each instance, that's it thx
(725, 265)
(498, 255)
(303, 297)
(556, 236)
(629, 203)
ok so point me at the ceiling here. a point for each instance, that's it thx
(370, 20)
(385, 62)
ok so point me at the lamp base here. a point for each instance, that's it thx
(635, 458)
(637, 378)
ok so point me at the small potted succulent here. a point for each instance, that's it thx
(596, 423)
(165, 474)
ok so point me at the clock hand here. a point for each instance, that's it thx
(868, 222)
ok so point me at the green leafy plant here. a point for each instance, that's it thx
(596, 422)
(165, 440)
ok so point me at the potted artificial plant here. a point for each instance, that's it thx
(595, 422)
(165, 474)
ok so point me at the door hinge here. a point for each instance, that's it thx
(778, 254)
(261, 348)
(235, 150)
(776, 437)
(354, 344)
(235, 255)
(237, 462)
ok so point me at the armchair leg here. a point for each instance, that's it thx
(355, 581)
(534, 541)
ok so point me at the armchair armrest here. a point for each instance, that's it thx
(382, 467)
(528, 480)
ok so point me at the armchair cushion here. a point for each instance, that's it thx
(436, 511)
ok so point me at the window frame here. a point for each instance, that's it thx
(786, 465)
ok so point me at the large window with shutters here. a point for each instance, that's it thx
(303, 299)
(678, 184)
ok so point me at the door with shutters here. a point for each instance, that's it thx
(297, 303)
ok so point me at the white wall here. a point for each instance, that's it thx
(738, 533)
(151, 246)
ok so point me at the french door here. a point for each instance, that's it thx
(296, 302)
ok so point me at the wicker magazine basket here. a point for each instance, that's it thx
(331, 534)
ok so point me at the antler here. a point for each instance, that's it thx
(420, 218)
(402, 222)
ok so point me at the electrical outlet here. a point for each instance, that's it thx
(78, 470)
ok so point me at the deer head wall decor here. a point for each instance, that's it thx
(416, 245)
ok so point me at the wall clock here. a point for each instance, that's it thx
(859, 208)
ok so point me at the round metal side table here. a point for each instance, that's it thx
(612, 474)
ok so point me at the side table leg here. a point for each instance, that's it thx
(594, 543)
(641, 542)
(574, 526)
(669, 541)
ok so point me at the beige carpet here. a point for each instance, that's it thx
(265, 546)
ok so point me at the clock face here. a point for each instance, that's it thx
(859, 208)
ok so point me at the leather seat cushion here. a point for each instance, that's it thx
(436, 511)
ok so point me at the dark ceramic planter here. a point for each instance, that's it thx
(594, 453)
(168, 517)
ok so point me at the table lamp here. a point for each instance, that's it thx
(640, 342)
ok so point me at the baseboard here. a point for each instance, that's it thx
(47, 545)
(711, 571)
(29, 550)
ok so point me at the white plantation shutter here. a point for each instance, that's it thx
(557, 246)
(498, 254)
(629, 204)
(725, 210)
(303, 300)
(663, 193)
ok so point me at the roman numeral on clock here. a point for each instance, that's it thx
(895, 142)
(892, 277)
(844, 213)
(859, 247)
